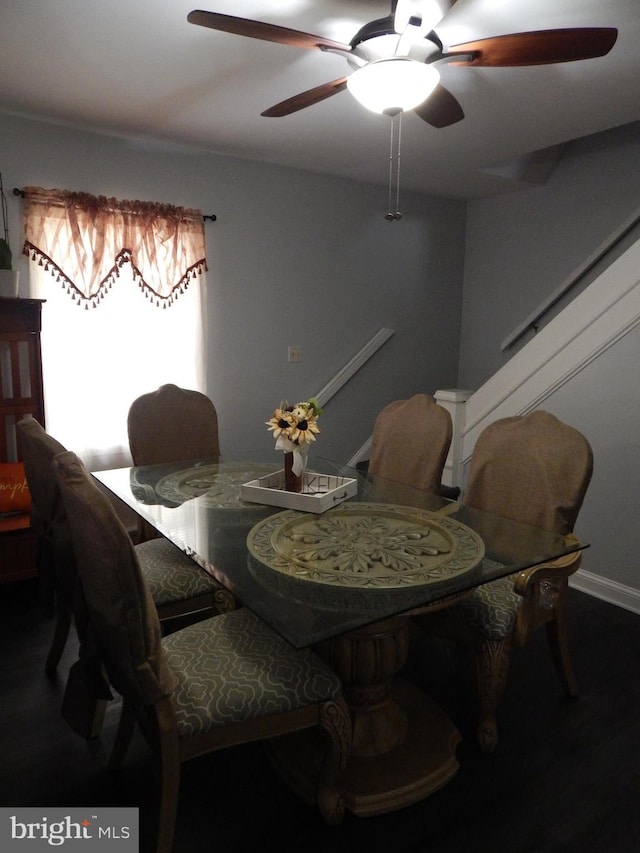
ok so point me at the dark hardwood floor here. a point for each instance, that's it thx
(566, 776)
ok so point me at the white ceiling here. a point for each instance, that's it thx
(138, 69)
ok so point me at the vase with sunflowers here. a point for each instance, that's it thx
(295, 428)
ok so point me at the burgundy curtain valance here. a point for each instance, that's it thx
(84, 240)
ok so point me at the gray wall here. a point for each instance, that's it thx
(603, 401)
(294, 258)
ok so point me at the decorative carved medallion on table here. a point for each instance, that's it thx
(366, 545)
(218, 485)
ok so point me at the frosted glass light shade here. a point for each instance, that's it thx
(393, 84)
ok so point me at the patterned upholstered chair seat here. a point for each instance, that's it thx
(234, 668)
(491, 609)
(171, 575)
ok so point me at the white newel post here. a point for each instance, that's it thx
(454, 401)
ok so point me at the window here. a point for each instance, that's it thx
(143, 291)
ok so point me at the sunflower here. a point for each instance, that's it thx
(296, 423)
(305, 430)
(281, 422)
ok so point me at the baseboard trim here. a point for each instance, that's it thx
(607, 590)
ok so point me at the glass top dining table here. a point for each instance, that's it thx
(345, 581)
(388, 549)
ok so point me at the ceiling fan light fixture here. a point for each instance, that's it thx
(421, 15)
(392, 85)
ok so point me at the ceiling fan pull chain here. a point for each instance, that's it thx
(390, 216)
(397, 215)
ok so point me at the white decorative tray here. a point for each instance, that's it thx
(319, 492)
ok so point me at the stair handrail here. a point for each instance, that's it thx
(605, 248)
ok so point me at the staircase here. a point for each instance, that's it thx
(553, 371)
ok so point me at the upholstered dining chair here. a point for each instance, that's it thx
(411, 439)
(179, 588)
(217, 683)
(172, 424)
(534, 469)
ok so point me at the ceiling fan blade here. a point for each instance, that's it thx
(538, 47)
(306, 99)
(266, 32)
(440, 109)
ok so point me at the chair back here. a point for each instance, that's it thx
(55, 549)
(532, 468)
(411, 439)
(122, 621)
(38, 449)
(172, 424)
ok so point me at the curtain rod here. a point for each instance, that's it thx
(211, 217)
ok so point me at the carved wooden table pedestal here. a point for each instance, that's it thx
(404, 744)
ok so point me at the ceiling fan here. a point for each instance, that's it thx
(406, 46)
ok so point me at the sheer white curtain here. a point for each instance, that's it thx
(97, 361)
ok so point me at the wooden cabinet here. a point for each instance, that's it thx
(21, 393)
